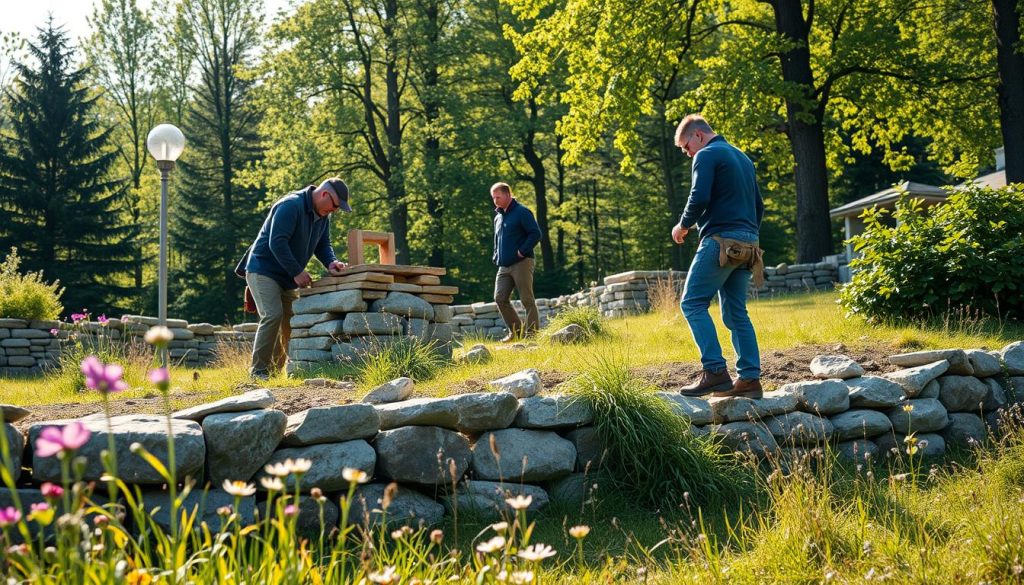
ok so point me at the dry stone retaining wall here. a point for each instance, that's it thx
(515, 440)
(30, 347)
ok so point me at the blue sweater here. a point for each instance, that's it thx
(515, 230)
(290, 236)
(724, 194)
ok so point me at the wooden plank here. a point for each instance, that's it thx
(409, 288)
(441, 290)
(361, 277)
(305, 292)
(373, 295)
(394, 269)
(438, 299)
(425, 279)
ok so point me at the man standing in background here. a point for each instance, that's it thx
(726, 206)
(515, 234)
(297, 228)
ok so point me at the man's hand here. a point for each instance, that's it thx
(303, 279)
(679, 234)
(336, 267)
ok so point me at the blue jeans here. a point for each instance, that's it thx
(704, 280)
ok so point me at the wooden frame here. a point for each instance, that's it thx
(358, 239)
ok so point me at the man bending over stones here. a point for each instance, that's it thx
(726, 206)
(297, 228)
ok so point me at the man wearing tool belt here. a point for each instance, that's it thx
(726, 206)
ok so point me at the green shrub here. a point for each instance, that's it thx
(965, 255)
(651, 452)
(27, 296)
(589, 318)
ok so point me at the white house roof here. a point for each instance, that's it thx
(888, 197)
(994, 180)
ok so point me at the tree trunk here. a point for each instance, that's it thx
(560, 186)
(1007, 21)
(399, 215)
(432, 143)
(806, 136)
(540, 189)
(671, 159)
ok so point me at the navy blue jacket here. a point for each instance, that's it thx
(515, 230)
(724, 194)
(290, 236)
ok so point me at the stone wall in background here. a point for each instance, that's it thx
(31, 347)
(522, 438)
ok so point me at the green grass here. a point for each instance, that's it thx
(650, 339)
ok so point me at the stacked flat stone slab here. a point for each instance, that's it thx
(518, 440)
(29, 348)
(367, 307)
(790, 278)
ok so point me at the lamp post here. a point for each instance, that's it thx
(165, 143)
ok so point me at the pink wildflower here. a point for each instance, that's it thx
(105, 378)
(9, 516)
(53, 440)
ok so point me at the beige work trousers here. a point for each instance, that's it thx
(274, 305)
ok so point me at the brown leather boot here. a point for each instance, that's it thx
(744, 388)
(708, 382)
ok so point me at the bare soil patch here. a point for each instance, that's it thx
(778, 368)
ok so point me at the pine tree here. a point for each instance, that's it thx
(58, 202)
(214, 216)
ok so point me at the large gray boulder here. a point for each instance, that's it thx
(478, 354)
(571, 333)
(486, 499)
(696, 410)
(931, 390)
(203, 504)
(393, 391)
(799, 428)
(995, 396)
(521, 384)
(571, 490)
(372, 324)
(12, 413)
(15, 446)
(925, 415)
(965, 430)
(422, 455)
(308, 320)
(928, 444)
(331, 424)
(251, 400)
(404, 305)
(328, 461)
(985, 363)
(238, 443)
(735, 408)
(858, 451)
(147, 430)
(822, 397)
(308, 523)
(342, 301)
(590, 449)
(746, 437)
(913, 380)
(874, 392)
(523, 455)
(825, 367)
(959, 364)
(553, 412)
(1013, 358)
(405, 507)
(777, 402)
(962, 393)
(860, 424)
(468, 413)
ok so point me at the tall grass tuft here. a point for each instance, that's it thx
(664, 293)
(589, 318)
(651, 452)
(408, 356)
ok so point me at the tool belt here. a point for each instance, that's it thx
(739, 253)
